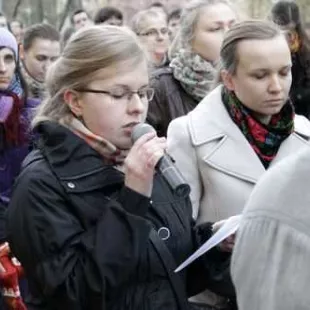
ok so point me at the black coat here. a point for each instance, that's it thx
(84, 239)
(300, 89)
(170, 100)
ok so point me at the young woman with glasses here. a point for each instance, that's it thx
(100, 228)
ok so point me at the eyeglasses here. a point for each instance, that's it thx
(145, 94)
(155, 32)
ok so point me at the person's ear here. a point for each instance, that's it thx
(228, 80)
(73, 100)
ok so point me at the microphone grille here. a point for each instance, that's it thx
(139, 130)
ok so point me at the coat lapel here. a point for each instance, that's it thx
(221, 145)
(219, 141)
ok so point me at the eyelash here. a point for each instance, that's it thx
(260, 77)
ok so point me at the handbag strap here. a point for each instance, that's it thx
(170, 265)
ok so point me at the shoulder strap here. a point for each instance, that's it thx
(170, 265)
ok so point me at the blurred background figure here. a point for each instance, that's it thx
(16, 110)
(174, 22)
(286, 14)
(3, 21)
(65, 36)
(80, 19)
(159, 7)
(109, 16)
(152, 29)
(40, 48)
(17, 28)
(307, 28)
(195, 53)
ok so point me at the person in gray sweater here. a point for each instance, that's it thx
(270, 263)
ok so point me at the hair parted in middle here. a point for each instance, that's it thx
(246, 30)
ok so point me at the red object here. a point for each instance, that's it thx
(10, 272)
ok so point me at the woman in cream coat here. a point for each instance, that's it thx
(217, 157)
(240, 129)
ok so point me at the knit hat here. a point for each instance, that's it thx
(8, 40)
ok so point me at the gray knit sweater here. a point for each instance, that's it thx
(271, 259)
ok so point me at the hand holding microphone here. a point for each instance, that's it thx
(140, 163)
(152, 150)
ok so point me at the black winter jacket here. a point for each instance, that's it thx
(300, 89)
(84, 239)
(170, 100)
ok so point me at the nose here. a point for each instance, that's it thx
(47, 64)
(3, 66)
(136, 105)
(226, 28)
(275, 84)
(160, 36)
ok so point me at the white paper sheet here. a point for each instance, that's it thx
(228, 228)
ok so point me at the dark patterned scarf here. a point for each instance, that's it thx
(36, 89)
(264, 139)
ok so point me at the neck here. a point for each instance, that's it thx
(264, 119)
(158, 58)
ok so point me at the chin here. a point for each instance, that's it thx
(124, 144)
(161, 51)
(4, 86)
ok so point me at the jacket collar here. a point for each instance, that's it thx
(70, 157)
(209, 122)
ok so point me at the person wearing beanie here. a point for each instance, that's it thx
(15, 113)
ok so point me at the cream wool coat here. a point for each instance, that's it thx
(217, 160)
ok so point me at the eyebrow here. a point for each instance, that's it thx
(221, 22)
(126, 86)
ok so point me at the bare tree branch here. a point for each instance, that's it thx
(64, 14)
(16, 7)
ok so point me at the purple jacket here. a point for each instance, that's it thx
(11, 159)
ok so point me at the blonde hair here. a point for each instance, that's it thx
(189, 19)
(87, 51)
(246, 30)
(139, 19)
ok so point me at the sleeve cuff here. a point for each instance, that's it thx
(133, 202)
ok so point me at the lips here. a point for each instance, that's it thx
(274, 101)
(130, 125)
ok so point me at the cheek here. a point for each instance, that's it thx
(11, 70)
(208, 45)
(249, 91)
(101, 120)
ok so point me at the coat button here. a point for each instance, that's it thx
(163, 233)
(71, 185)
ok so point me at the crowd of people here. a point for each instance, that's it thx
(87, 218)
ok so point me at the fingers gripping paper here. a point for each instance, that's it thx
(228, 228)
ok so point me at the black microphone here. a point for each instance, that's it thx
(165, 166)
